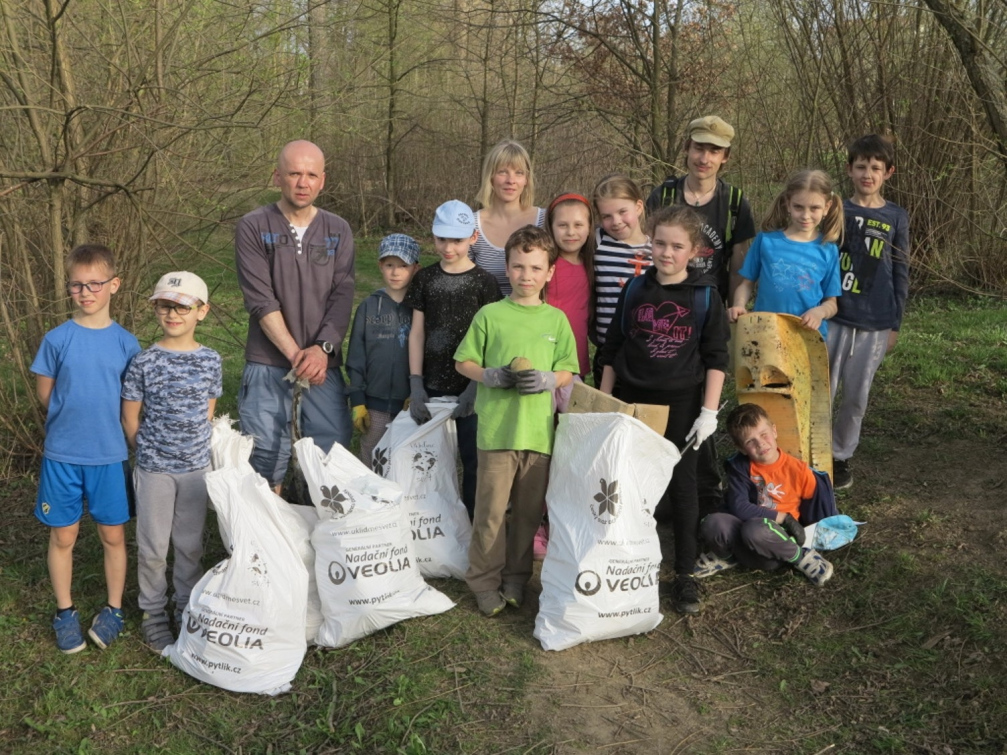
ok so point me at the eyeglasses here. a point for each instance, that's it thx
(94, 286)
(163, 308)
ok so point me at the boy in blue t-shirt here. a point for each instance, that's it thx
(176, 383)
(78, 376)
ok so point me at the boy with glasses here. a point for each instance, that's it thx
(78, 377)
(175, 384)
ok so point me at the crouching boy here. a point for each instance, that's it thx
(769, 493)
(515, 411)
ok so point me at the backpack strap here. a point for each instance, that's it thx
(701, 306)
(631, 287)
(733, 210)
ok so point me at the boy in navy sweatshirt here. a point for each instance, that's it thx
(377, 362)
(874, 270)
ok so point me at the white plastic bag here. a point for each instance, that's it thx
(600, 575)
(244, 626)
(229, 448)
(365, 564)
(422, 459)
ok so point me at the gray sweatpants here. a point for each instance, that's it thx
(756, 544)
(854, 358)
(170, 509)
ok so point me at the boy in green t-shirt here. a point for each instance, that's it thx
(515, 410)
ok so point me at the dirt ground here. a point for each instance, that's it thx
(692, 685)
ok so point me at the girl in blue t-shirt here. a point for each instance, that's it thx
(795, 259)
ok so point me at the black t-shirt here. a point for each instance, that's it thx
(714, 259)
(448, 302)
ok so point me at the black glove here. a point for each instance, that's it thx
(418, 400)
(793, 528)
(466, 402)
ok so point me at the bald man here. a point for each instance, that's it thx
(295, 269)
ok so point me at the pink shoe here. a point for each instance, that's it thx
(541, 542)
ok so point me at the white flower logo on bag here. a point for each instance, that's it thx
(608, 502)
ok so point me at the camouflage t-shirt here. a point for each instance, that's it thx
(175, 388)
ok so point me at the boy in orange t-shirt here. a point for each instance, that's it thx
(767, 492)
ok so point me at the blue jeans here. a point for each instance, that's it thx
(264, 408)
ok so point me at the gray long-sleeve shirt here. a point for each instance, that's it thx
(309, 280)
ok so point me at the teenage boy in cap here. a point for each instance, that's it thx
(444, 298)
(728, 229)
(728, 225)
(377, 362)
(174, 384)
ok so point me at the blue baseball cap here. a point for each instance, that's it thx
(406, 248)
(454, 220)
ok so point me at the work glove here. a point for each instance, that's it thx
(499, 377)
(466, 402)
(418, 400)
(535, 381)
(704, 426)
(361, 418)
(793, 528)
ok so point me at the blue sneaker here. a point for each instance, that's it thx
(106, 627)
(69, 638)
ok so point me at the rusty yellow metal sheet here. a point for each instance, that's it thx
(784, 367)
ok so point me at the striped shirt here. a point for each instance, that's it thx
(615, 262)
(492, 258)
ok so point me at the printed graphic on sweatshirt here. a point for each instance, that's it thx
(859, 267)
(666, 327)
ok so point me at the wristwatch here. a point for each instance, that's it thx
(327, 346)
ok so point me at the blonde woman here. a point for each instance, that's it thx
(506, 200)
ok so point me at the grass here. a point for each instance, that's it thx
(903, 652)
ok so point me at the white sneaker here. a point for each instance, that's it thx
(710, 563)
(814, 567)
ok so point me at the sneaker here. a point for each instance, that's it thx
(710, 563)
(814, 567)
(106, 626)
(490, 602)
(685, 594)
(513, 594)
(841, 476)
(156, 631)
(69, 638)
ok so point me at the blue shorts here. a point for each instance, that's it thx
(63, 487)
